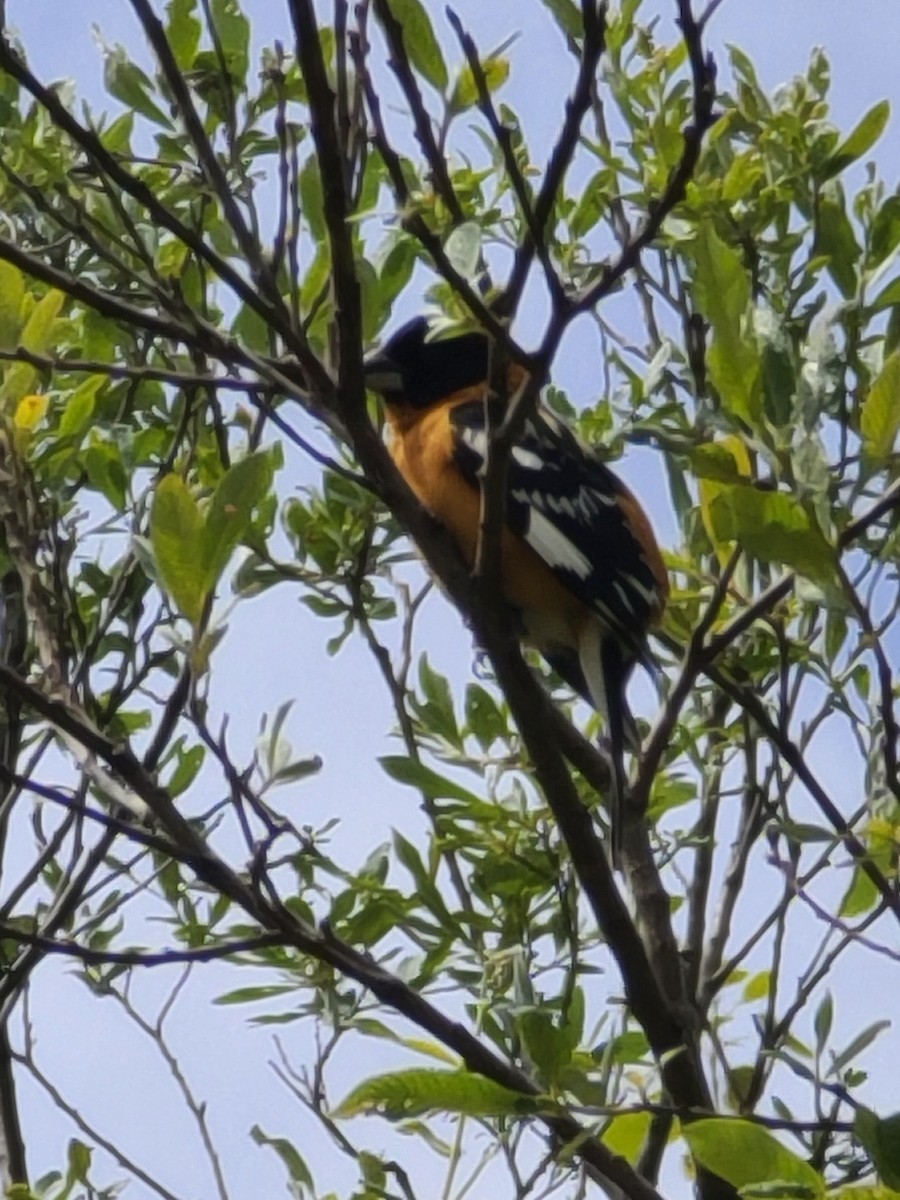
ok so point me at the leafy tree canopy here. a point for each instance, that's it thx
(187, 290)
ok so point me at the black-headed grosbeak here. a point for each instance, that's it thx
(580, 564)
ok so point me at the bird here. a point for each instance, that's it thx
(580, 565)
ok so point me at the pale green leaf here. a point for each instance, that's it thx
(420, 43)
(721, 289)
(745, 1154)
(183, 31)
(240, 490)
(860, 140)
(80, 405)
(37, 334)
(176, 529)
(626, 1135)
(125, 80)
(465, 91)
(773, 527)
(298, 1171)
(835, 239)
(434, 786)
(880, 418)
(233, 30)
(567, 15)
(12, 293)
(419, 1090)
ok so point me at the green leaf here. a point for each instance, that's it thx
(79, 409)
(106, 471)
(437, 710)
(189, 763)
(420, 43)
(546, 1044)
(183, 31)
(251, 995)
(117, 137)
(835, 239)
(774, 527)
(758, 986)
(125, 80)
(885, 230)
(12, 293)
(432, 785)
(465, 91)
(745, 1154)
(37, 334)
(484, 717)
(881, 1138)
(626, 1135)
(848, 1056)
(419, 1090)
(721, 289)
(240, 490)
(79, 1163)
(880, 417)
(176, 530)
(888, 297)
(298, 1171)
(567, 16)
(592, 205)
(233, 30)
(823, 1021)
(312, 204)
(860, 140)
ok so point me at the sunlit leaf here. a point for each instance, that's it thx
(744, 1154)
(722, 292)
(773, 527)
(567, 15)
(12, 293)
(233, 30)
(880, 417)
(176, 530)
(835, 239)
(465, 91)
(230, 513)
(627, 1135)
(860, 140)
(421, 1090)
(79, 406)
(125, 80)
(420, 43)
(183, 31)
(30, 412)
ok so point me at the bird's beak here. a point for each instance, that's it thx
(382, 374)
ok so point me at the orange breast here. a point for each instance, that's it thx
(422, 447)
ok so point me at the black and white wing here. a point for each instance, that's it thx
(573, 511)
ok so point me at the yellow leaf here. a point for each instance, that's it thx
(30, 412)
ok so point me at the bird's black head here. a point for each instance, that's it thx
(414, 371)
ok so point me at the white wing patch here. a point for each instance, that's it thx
(477, 441)
(554, 547)
(527, 459)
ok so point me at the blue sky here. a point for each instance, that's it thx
(279, 646)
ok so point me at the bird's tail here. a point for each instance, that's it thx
(622, 735)
(607, 663)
